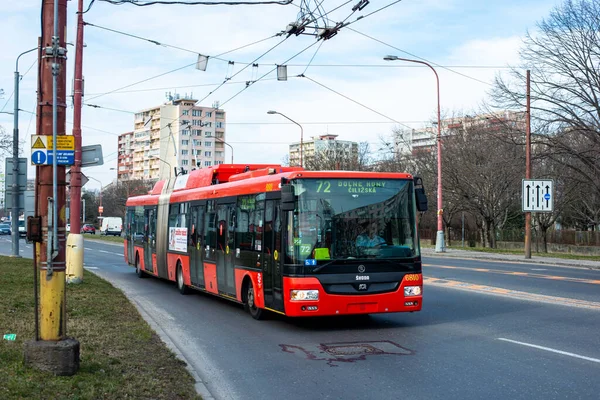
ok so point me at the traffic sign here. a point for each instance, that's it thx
(42, 152)
(38, 157)
(63, 142)
(538, 195)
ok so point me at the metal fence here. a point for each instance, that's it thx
(473, 238)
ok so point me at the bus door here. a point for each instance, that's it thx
(271, 256)
(129, 235)
(195, 248)
(150, 239)
(225, 251)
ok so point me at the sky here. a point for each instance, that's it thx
(338, 86)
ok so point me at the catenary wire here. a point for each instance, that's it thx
(354, 101)
(416, 56)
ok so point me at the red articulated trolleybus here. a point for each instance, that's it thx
(294, 242)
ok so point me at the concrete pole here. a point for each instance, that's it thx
(52, 117)
(528, 163)
(75, 239)
(15, 155)
(54, 352)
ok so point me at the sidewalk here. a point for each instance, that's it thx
(459, 253)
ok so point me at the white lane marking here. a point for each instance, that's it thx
(552, 350)
(539, 269)
(110, 252)
(90, 267)
(87, 248)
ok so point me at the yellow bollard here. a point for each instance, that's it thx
(74, 257)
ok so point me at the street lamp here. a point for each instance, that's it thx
(224, 142)
(14, 220)
(301, 132)
(440, 245)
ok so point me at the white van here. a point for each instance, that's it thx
(111, 226)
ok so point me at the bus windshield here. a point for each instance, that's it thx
(339, 219)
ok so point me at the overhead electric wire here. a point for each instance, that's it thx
(371, 13)
(144, 80)
(313, 57)
(197, 3)
(180, 68)
(156, 42)
(354, 101)
(21, 77)
(237, 73)
(283, 63)
(416, 56)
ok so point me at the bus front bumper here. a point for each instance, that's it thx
(334, 304)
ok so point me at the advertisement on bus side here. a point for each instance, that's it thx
(178, 239)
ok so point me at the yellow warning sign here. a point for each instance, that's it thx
(38, 144)
(63, 142)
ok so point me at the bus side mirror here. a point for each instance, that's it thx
(420, 195)
(288, 199)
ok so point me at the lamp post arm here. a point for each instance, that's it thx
(227, 144)
(301, 135)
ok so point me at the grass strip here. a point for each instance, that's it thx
(121, 357)
(104, 238)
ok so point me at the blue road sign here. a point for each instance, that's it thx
(63, 157)
(39, 157)
(547, 196)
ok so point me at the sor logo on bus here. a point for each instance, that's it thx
(259, 280)
(362, 277)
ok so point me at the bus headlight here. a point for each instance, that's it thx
(412, 291)
(301, 295)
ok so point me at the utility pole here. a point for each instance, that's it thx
(14, 220)
(54, 352)
(528, 163)
(75, 239)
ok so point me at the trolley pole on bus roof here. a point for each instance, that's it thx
(54, 352)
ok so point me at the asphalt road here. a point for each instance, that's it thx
(488, 329)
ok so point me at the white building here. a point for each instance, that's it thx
(177, 134)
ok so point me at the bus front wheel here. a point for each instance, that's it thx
(250, 305)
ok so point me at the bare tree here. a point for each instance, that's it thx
(6, 141)
(483, 171)
(115, 195)
(564, 58)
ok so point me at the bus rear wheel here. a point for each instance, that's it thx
(138, 268)
(250, 305)
(183, 289)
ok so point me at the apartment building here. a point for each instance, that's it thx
(424, 139)
(318, 144)
(177, 134)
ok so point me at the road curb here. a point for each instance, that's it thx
(199, 385)
(498, 257)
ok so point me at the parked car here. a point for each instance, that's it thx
(87, 228)
(5, 229)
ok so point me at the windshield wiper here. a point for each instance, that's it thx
(320, 267)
